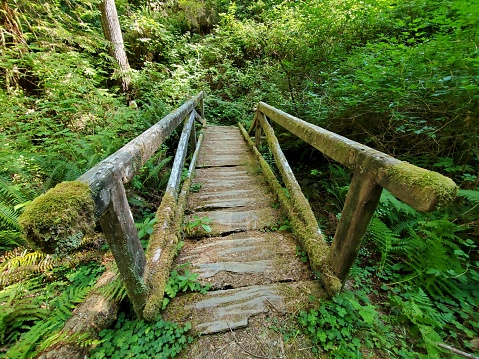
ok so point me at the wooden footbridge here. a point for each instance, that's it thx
(252, 267)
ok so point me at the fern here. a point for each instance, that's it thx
(20, 264)
(114, 290)
(46, 332)
(470, 195)
(19, 307)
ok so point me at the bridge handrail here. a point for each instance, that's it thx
(373, 170)
(103, 186)
(127, 161)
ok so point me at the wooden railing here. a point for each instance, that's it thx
(373, 170)
(106, 182)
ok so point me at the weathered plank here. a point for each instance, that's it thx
(420, 188)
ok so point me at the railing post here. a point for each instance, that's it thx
(257, 132)
(122, 237)
(193, 135)
(361, 202)
(202, 110)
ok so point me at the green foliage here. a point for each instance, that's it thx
(195, 187)
(36, 312)
(301, 254)
(140, 339)
(145, 229)
(198, 225)
(348, 326)
(182, 280)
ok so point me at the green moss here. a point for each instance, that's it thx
(424, 182)
(160, 254)
(56, 221)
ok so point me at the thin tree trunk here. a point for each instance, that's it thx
(112, 31)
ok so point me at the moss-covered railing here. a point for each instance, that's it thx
(373, 170)
(56, 221)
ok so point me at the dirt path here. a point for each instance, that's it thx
(257, 280)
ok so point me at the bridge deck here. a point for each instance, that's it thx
(256, 277)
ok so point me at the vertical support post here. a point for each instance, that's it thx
(202, 110)
(193, 135)
(361, 202)
(122, 237)
(257, 132)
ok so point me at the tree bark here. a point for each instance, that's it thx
(112, 32)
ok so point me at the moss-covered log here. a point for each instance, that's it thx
(308, 235)
(420, 188)
(163, 243)
(57, 221)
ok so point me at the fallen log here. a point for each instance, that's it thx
(97, 312)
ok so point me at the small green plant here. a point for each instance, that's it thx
(275, 205)
(141, 340)
(146, 227)
(195, 187)
(286, 226)
(182, 280)
(303, 256)
(198, 223)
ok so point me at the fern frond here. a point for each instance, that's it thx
(8, 217)
(157, 168)
(11, 194)
(470, 195)
(383, 237)
(9, 239)
(115, 289)
(19, 264)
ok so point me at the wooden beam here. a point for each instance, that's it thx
(308, 236)
(361, 202)
(174, 182)
(163, 242)
(122, 237)
(257, 132)
(300, 203)
(420, 188)
(128, 160)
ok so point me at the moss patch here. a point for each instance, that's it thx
(57, 221)
(424, 182)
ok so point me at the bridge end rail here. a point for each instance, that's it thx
(72, 208)
(373, 170)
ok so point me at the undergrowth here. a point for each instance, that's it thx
(132, 338)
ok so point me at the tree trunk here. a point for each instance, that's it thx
(112, 31)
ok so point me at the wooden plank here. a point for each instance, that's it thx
(420, 188)
(122, 237)
(128, 160)
(361, 202)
